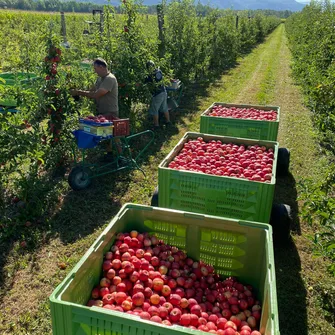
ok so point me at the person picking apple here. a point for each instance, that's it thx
(158, 103)
(105, 94)
(104, 91)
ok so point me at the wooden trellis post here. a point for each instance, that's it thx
(160, 18)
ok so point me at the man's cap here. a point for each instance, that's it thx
(150, 63)
(100, 61)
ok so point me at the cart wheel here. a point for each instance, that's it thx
(281, 222)
(154, 199)
(283, 162)
(79, 178)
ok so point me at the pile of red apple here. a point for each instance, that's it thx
(243, 113)
(98, 119)
(145, 277)
(225, 159)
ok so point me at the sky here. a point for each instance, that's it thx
(304, 1)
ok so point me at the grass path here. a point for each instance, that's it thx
(262, 77)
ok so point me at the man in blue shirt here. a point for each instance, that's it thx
(159, 96)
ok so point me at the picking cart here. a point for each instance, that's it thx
(122, 143)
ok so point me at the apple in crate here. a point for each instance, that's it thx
(251, 162)
(158, 282)
(243, 113)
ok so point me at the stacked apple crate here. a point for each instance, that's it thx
(221, 220)
(231, 194)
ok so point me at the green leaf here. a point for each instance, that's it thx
(331, 247)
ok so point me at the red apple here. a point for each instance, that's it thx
(120, 297)
(157, 284)
(196, 309)
(175, 299)
(154, 299)
(185, 319)
(138, 299)
(175, 315)
(166, 290)
(145, 315)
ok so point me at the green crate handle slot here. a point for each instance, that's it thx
(259, 225)
(194, 216)
(128, 205)
(99, 243)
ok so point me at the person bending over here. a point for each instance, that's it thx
(158, 102)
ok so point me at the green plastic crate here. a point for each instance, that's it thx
(11, 79)
(19, 78)
(86, 66)
(7, 102)
(216, 195)
(253, 129)
(9, 110)
(234, 247)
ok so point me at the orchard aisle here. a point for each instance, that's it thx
(262, 77)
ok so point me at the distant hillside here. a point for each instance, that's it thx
(291, 5)
(258, 4)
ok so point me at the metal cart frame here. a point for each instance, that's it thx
(83, 172)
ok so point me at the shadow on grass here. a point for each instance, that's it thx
(21, 227)
(286, 193)
(82, 212)
(291, 292)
